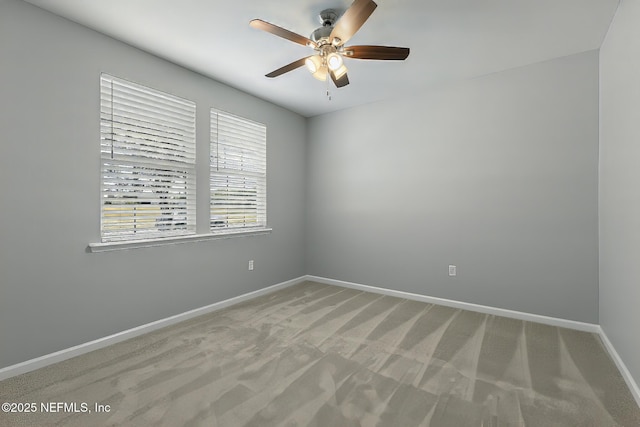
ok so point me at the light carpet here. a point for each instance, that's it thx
(320, 355)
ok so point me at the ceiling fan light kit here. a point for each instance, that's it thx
(328, 42)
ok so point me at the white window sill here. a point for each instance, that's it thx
(148, 243)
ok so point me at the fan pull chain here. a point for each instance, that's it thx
(328, 91)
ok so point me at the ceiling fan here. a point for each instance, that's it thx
(328, 42)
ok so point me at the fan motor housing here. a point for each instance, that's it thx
(321, 33)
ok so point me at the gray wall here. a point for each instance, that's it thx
(53, 294)
(497, 175)
(620, 184)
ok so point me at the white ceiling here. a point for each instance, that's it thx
(449, 40)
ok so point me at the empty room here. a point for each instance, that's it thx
(320, 213)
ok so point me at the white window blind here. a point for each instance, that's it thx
(238, 173)
(148, 152)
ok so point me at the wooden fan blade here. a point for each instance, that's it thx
(281, 32)
(351, 21)
(289, 67)
(377, 52)
(342, 81)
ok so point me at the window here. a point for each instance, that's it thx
(238, 175)
(148, 156)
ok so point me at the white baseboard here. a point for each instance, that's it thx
(553, 321)
(68, 353)
(631, 383)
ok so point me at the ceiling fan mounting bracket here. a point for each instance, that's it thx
(328, 17)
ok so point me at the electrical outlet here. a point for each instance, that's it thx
(452, 270)
(250, 265)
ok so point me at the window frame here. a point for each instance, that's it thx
(192, 235)
(245, 141)
(147, 155)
